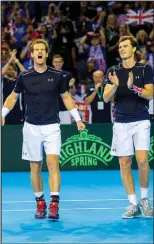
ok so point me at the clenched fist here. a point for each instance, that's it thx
(80, 125)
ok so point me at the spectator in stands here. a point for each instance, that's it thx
(19, 8)
(97, 48)
(90, 70)
(43, 30)
(58, 63)
(140, 5)
(6, 37)
(124, 30)
(48, 34)
(142, 39)
(53, 17)
(5, 54)
(141, 52)
(29, 32)
(87, 10)
(9, 75)
(94, 96)
(122, 18)
(112, 39)
(79, 54)
(25, 52)
(19, 21)
(99, 20)
(65, 35)
(101, 16)
(65, 24)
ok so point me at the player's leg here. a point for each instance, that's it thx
(36, 177)
(127, 177)
(122, 146)
(142, 146)
(128, 182)
(54, 185)
(32, 151)
(37, 185)
(52, 146)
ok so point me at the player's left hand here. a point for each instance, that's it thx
(80, 125)
(130, 80)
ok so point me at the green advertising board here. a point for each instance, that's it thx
(85, 150)
(90, 149)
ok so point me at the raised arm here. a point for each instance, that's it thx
(13, 12)
(90, 97)
(12, 57)
(12, 98)
(9, 105)
(11, 60)
(103, 39)
(25, 50)
(27, 19)
(83, 41)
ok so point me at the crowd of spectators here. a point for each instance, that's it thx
(85, 34)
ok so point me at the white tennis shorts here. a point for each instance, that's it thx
(127, 136)
(35, 137)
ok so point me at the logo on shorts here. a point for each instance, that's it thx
(85, 150)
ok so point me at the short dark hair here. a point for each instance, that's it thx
(57, 56)
(132, 39)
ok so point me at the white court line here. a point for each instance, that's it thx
(62, 209)
(77, 200)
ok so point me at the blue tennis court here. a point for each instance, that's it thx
(91, 206)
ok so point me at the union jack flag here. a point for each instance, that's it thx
(10, 28)
(140, 17)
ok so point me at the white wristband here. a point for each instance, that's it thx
(75, 114)
(5, 111)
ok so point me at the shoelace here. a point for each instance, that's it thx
(146, 204)
(54, 208)
(41, 207)
(130, 207)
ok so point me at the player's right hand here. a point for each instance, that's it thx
(130, 80)
(3, 121)
(114, 79)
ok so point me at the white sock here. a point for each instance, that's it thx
(39, 194)
(132, 199)
(144, 193)
(54, 193)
